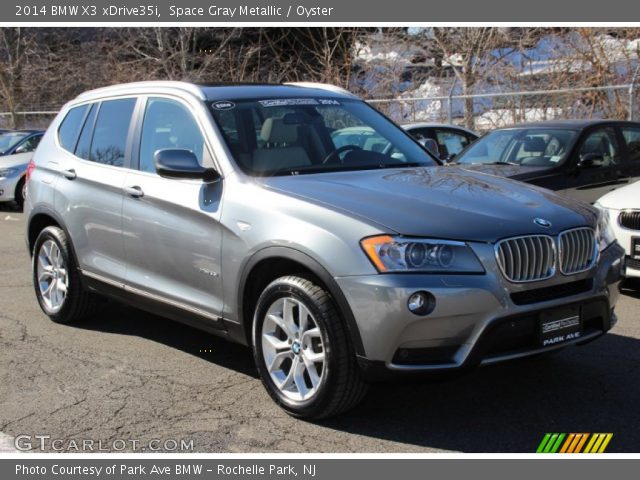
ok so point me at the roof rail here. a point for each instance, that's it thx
(321, 86)
(134, 86)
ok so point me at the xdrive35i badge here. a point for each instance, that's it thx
(541, 222)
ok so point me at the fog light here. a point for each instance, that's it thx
(421, 303)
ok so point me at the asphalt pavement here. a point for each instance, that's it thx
(127, 379)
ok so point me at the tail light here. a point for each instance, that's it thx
(30, 168)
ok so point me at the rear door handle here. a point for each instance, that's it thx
(134, 191)
(70, 174)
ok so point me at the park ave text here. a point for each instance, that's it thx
(284, 470)
(182, 12)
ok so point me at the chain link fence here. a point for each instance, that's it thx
(31, 119)
(482, 112)
(486, 111)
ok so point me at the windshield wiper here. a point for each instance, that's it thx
(500, 163)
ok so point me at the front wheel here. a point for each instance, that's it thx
(302, 350)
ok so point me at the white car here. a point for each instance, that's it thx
(16, 150)
(623, 208)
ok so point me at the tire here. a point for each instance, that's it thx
(328, 380)
(52, 261)
(20, 193)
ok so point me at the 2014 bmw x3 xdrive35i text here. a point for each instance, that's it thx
(230, 208)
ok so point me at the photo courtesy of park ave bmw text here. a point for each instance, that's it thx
(318, 239)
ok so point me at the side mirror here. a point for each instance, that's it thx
(182, 163)
(22, 149)
(591, 160)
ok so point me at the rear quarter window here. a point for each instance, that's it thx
(70, 127)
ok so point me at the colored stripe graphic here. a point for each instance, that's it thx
(574, 443)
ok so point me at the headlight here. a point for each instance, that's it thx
(400, 254)
(604, 232)
(7, 172)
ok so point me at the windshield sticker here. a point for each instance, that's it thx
(288, 102)
(329, 101)
(555, 158)
(223, 105)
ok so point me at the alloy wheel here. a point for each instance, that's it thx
(293, 350)
(53, 279)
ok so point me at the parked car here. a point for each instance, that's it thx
(581, 158)
(232, 209)
(444, 141)
(16, 150)
(622, 206)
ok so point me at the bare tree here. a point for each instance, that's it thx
(15, 47)
(471, 53)
(177, 53)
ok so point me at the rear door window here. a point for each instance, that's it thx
(109, 141)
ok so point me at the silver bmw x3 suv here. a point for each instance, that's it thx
(231, 208)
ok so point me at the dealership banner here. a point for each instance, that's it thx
(315, 11)
(317, 469)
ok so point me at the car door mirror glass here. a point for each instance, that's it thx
(180, 163)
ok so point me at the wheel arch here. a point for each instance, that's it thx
(273, 262)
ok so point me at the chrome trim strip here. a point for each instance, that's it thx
(151, 296)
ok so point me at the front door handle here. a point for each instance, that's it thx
(70, 174)
(134, 191)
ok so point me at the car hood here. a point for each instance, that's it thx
(621, 198)
(440, 202)
(511, 171)
(16, 160)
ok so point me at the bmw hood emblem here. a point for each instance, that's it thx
(541, 222)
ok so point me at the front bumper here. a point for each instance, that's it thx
(477, 318)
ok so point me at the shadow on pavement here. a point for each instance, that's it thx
(10, 207)
(509, 407)
(124, 320)
(503, 408)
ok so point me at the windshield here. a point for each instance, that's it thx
(536, 147)
(291, 136)
(10, 139)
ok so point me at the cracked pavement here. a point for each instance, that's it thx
(127, 375)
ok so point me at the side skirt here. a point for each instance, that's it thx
(155, 304)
